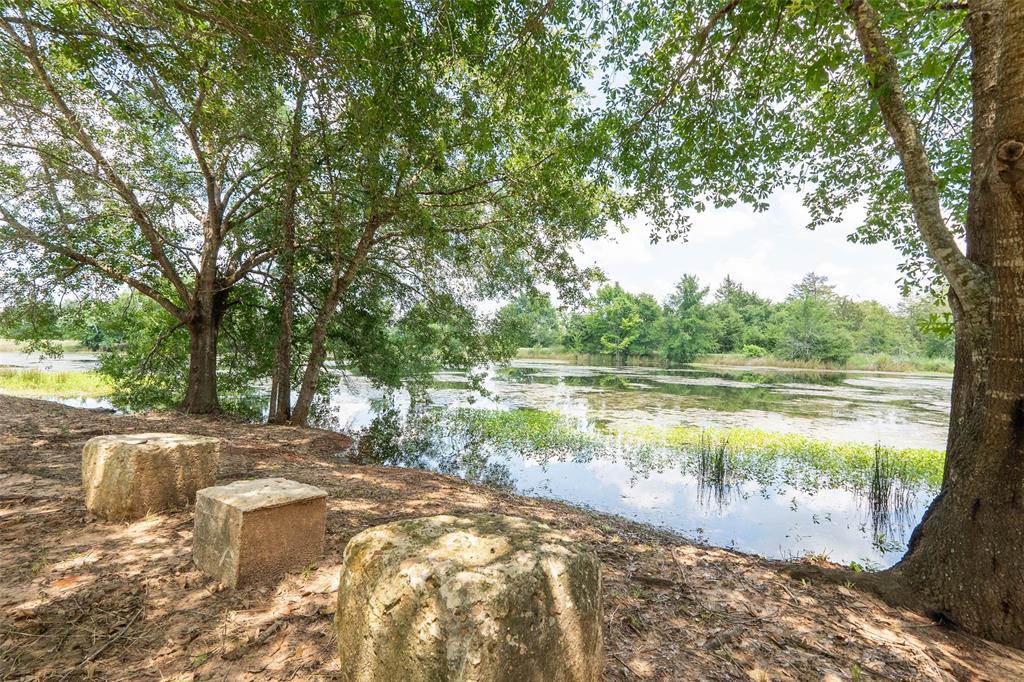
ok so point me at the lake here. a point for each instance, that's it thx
(770, 515)
(580, 447)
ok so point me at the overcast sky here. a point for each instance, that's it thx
(767, 252)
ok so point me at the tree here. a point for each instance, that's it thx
(811, 324)
(740, 318)
(928, 322)
(617, 323)
(532, 320)
(138, 157)
(280, 162)
(686, 331)
(878, 330)
(454, 165)
(915, 109)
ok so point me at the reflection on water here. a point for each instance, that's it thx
(70, 361)
(723, 494)
(773, 507)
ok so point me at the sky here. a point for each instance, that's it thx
(766, 252)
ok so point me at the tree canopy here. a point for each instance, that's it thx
(389, 164)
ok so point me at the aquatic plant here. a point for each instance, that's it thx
(802, 460)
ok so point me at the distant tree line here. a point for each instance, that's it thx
(813, 323)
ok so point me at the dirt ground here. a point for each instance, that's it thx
(84, 599)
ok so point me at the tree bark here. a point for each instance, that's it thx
(280, 384)
(340, 283)
(211, 295)
(201, 396)
(966, 558)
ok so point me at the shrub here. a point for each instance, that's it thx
(753, 351)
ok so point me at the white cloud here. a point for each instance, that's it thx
(767, 252)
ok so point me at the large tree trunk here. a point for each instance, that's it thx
(209, 305)
(201, 396)
(967, 556)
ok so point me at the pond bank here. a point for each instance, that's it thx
(859, 362)
(122, 601)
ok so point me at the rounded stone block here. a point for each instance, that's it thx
(127, 476)
(254, 531)
(481, 598)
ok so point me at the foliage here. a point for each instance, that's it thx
(435, 162)
(752, 351)
(715, 103)
(615, 322)
(814, 325)
(532, 321)
(811, 328)
(686, 329)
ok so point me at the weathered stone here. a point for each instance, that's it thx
(480, 598)
(253, 531)
(129, 475)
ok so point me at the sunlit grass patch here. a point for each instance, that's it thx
(34, 383)
(835, 464)
(523, 426)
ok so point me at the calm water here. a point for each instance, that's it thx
(775, 518)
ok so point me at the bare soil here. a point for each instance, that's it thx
(86, 599)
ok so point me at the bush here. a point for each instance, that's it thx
(751, 350)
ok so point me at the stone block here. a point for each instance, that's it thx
(479, 598)
(254, 531)
(127, 476)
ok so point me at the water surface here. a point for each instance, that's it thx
(778, 511)
(778, 517)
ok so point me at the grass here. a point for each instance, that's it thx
(33, 383)
(717, 457)
(803, 459)
(875, 362)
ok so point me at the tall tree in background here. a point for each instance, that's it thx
(811, 325)
(915, 107)
(686, 331)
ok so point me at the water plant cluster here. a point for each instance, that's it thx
(479, 444)
(812, 462)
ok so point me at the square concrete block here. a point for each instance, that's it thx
(253, 531)
(129, 475)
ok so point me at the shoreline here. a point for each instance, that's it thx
(673, 609)
(727, 361)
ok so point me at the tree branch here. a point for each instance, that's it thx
(968, 280)
(697, 51)
(246, 266)
(30, 236)
(31, 53)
